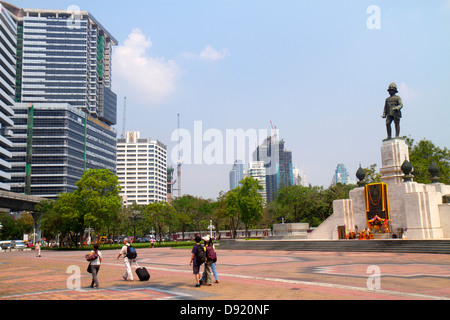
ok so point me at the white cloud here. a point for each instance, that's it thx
(407, 93)
(447, 5)
(137, 75)
(209, 53)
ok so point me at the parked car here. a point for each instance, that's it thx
(18, 244)
(5, 245)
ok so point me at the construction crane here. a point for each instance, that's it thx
(178, 180)
(274, 131)
(179, 158)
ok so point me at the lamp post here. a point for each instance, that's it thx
(211, 227)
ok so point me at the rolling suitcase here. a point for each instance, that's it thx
(142, 273)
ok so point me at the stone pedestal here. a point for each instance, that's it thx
(289, 231)
(393, 153)
(415, 207)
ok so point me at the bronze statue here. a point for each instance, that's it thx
(392, 111)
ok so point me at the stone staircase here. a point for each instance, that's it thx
(395, 245)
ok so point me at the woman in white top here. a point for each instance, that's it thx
(95, 267)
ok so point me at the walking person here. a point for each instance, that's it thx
(210, 257)
(152, 242)
(37, 248)
(94, 266)
(213, 265)
(195, 260)
(128, 276)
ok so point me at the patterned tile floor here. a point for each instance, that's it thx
(244, 275)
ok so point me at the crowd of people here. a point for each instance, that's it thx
(201, 255)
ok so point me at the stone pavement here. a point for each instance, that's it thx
(244, 275)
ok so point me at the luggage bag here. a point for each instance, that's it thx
(142, 273)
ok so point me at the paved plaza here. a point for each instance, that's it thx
(244, 275)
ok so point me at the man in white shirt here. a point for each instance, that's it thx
(128, 276)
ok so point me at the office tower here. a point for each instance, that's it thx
(64, 104)
(53, 144)
(65, 57)
(278, 164)
(341, 175)
(236, 174)
(257, 171)
(8, 40)
(141, 169)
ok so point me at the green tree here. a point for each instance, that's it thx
(98, 198)
(250, 202)
(290, 200)
(232, 212)
(372, 176)
(10, 229)
(161, 215)
(422, 154)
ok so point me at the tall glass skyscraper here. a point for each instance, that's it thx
(64, 106)
(8, 40)
(53, 144)
(65, 57)
(278, 164)
(341, 175)
(236, 174)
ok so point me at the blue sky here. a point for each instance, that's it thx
(313, 68)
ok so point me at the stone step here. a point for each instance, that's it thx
(406, 246)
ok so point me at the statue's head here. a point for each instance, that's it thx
(392, 88)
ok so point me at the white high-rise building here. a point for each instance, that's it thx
(8, 40)
(258, 172)
(141, 169)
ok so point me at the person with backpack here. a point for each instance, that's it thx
(197, 259)
(214, 259)
(210, 259)
(129, 254)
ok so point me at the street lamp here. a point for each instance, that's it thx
(211, 228)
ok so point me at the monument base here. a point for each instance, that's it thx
(289, 231)
(417, 211)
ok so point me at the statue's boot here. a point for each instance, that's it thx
(389, 131)
(397, 130)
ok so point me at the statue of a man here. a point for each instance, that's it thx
(392, 111)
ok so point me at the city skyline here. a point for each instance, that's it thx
(315, 69)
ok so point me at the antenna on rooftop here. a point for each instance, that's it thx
(179, 158)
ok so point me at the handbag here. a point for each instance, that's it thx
(92, 256)
(89, 268)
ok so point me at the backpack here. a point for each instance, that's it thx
(210, 253)
(131, 252)
(201, 255)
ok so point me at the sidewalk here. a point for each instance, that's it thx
(244, 275)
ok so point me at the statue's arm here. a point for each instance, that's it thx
(400, 104)
(385, 110)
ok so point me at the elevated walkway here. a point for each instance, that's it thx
(393, 245)
(18, 202)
